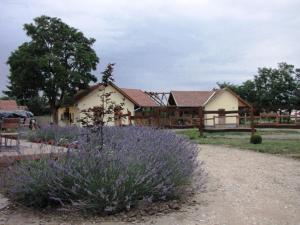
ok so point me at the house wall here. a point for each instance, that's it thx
(224, 100)
(93, 99)
(74, 112)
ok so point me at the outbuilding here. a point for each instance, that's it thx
(221, 101)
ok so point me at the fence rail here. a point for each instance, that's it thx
(172, 117)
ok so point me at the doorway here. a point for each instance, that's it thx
(221, 117)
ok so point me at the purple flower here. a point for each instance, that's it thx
(135, 163)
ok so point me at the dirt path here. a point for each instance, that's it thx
(244, 188)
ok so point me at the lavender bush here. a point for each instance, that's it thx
(135, 163)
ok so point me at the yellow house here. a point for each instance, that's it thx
(132, 100)
(216, 100)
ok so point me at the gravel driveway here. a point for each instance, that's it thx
(244, 188)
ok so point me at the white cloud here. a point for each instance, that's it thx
(172, 43)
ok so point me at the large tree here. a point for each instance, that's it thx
(276, 87)
(272, 89)
(24, 77)
(296, 99)
(247, 91)
(55, 63)
(25, 80)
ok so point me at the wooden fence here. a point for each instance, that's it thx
(173, 117)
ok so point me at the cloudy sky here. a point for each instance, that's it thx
(170, 44)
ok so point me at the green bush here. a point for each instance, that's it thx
(256, 139)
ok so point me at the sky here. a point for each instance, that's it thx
(163, 45)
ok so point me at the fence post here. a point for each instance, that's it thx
(252, 121)
(129, 117)
(120, 117)
(201, 125)
(158, 117)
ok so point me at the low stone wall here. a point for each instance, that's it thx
(29, 151)
(43, 120)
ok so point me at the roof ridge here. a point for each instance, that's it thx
(191, 98)
(132, 89)
(191, 91)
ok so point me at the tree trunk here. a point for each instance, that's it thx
(290, 112)
(54, 112)
(280, 118)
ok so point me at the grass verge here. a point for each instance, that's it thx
(287, 142)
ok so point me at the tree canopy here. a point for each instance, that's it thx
(276, 87)
(272, 89)
(54, 64)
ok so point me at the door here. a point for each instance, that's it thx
(118, 116)
(221, 117)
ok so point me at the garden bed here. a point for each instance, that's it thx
(106, 172)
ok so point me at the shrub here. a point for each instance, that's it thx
(135, 163)
(255, 139)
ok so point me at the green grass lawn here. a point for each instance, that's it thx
(286, 142)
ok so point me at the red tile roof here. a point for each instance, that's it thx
(139, 97)
(191, 98)
(84, 92)
(8, 105)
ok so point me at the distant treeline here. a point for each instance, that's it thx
(272, 89)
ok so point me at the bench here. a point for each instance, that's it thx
(9, 130)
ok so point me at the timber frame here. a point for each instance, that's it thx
(160, 98)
